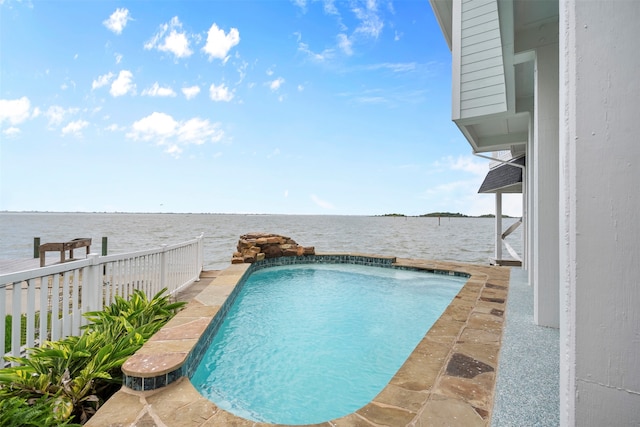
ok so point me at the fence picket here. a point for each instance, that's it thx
(62, 292)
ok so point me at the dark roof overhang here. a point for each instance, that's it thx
(505, 178)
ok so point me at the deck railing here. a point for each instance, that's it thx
(46, 304)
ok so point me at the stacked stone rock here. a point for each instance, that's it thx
(254, 247)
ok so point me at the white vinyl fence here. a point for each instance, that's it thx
(46, 304)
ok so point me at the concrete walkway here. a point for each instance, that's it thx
(527, 388)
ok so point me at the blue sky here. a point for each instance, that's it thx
(285, 107)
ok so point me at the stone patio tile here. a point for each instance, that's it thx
(216, 293)
(225, 419)
(461, 365)
(402, 398)
(485, 322)
(386, 415)
(150, 365)
(327, 424)
(474, 335)
(418, 373)
(477, 391)
(181, 405)
(122, 409)
(481, 313)
(170, 346)
(187, 330)
(486, 353)
(488, 306)
(193, 414)
(442, 411)
(488, 292)
(445, 327)
(434, 350)
(459, 311)
(197, 309)
(352, 420)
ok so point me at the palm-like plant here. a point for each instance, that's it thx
(77, 374)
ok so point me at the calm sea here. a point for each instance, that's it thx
(450, 239)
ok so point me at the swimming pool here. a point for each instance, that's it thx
(305, 344)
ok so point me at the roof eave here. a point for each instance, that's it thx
(442, 10)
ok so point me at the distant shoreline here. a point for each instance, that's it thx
(445, 215)
(428, 215)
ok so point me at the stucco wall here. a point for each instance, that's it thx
(600, 212)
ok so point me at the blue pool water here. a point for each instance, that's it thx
(309, 343)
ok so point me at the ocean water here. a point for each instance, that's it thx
(448, 239)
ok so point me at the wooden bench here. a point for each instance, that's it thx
(63, 247)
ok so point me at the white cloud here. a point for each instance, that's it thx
(219, 44)
(157, 90)
(242, 71)
(114, 128)
(174, 135)
(155, 126)
(118, 20)
(330, 7)
(118, 58)
(15, 111)
(300, 88)
(123, 84)
(345, 44)
(191, 92)
(11, 131)
(371, 24)
(102, 80)
(317, 57)
(75, 127)
(274, 153)
(220, 93)
(171, 38)
(468, 164)
(198, 131)
(56, 114)
(322, 203)
(396, 67)
(302, 4)
(275, 84)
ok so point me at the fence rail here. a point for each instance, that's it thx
(46, 304)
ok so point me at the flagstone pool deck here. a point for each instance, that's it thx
(448, 380)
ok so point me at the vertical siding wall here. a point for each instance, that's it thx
(600, 213)
(478, 68)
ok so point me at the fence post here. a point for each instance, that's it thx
(36, 247)
(104, 246)
(199, 256)
(92, 286)
(163, 267)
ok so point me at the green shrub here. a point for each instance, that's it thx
(80, 373)
(18, 412)
(23, 329)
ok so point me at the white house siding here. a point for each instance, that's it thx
(481, 79)
(545, 168)
(599, 213)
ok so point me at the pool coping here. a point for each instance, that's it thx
(450, 375)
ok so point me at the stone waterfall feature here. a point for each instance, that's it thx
(254, 247)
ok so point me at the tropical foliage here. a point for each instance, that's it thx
(75, 375)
